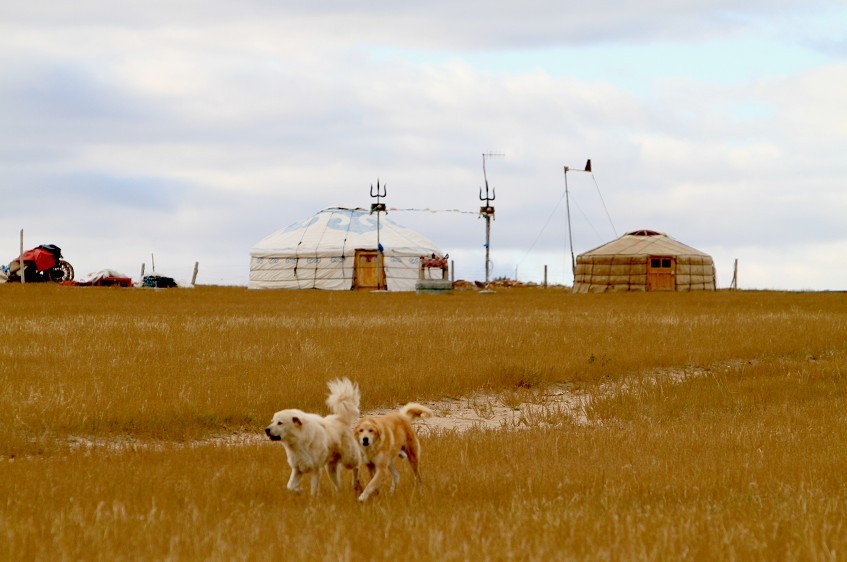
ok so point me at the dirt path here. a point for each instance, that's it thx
(509, 410)
(526, 408)
(515, 410)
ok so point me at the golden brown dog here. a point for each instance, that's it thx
(384, 438)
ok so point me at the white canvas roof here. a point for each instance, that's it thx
(318, 252)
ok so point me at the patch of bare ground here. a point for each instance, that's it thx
(543, 407)
(506, 410)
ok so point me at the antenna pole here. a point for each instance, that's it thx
(487, 212)
(568, 208)
(570, 232)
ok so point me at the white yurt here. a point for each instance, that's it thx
(644, 260)
(338, 249)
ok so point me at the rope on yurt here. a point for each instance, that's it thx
(397, 272)
(297, 255)
(326, 226)
(344, 252)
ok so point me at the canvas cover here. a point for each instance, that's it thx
(319, 252)
(623, 264)
(44, 257)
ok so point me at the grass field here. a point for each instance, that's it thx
(745, 462)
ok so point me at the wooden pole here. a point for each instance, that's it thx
(152, 263)
(21, 259)
(734, 284)
(452, 271)
(545, 276)
(140, 279)
(196, 269)
(570, 232)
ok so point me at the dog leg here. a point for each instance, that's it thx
(373, 485)
(294, 481)
(372, 472)
(316, 482)
(357, 481)
(395, 476)
(332, 470)
(413, 454)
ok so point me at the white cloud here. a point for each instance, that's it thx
(195, 132)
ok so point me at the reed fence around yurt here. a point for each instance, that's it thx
(600, 274)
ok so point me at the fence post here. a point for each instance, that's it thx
(21, 259)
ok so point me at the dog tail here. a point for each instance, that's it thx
(343, 399)
(413, 410)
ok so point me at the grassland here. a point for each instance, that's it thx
(743, 463)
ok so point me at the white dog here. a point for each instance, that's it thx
(313, 442)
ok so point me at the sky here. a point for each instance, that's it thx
(179, 132)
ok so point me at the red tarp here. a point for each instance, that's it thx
(42, 258)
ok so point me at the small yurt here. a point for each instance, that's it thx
(338, 249)
(644, 260)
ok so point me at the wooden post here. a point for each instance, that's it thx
(141, 278)
(452, 271)
(545, 276)
(734, 284)
(196, 269)
(21, 259)
(152, 263)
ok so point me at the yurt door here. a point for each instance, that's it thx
(661, 273)
(369, 273)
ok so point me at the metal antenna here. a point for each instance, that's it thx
(568, 207)
(487, 212)
(379, 207)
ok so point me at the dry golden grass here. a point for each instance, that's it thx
(745, 462)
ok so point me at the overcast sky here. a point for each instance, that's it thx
(190, 130)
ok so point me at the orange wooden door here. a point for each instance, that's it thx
(369, 273)
(661, 273)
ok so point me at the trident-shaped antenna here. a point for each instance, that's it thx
(489, 195)
(379, 208)
(378, 193)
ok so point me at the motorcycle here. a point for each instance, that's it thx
(41, 264)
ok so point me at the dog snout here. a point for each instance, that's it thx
(365, 442)
(272, 436)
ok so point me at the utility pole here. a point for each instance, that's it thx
(487, 212)
(568, 209)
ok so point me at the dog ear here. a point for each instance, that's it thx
(296, 421)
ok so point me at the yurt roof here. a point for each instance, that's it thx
(339, 231)
(644, 242)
